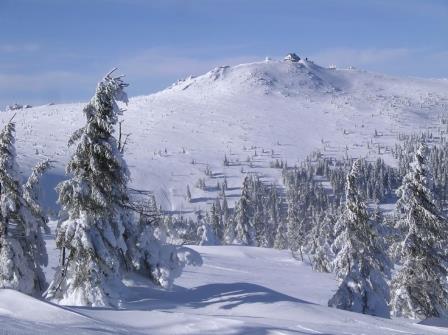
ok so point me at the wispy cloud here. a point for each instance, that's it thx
(147, 71)
(14, 48)
(37, 82)
(398, 61)
(45, 87)
(175, 63)
(361, 57)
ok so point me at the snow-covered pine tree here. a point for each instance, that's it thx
(31, 192)
(228, 222)
(154, 257)
(91, 239)
(295, 229)
(259, 217)
(22, 248)
(322, 240)
(274, 216)
(207, 234)
(216, 221)
(281, 236)
(419, 288)
(244, 231)
(225, 212)
(291, 218)
(360, 263)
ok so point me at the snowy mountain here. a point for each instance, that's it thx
(248, 115)
(252, 114)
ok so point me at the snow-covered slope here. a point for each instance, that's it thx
(259, 111)
(238, 290)
(253, 114)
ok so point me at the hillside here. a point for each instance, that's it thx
(260, 112)
(252, 114)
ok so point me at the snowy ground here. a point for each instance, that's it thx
(238, 290)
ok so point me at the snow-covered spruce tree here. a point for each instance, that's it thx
(281, 236)
(322, 237)
(225, 214)
(266, 213)
(360, 263)
(22, 248)
(295, 228)
(154, 257)
(244, 231)
(207, 234)
(419, 288)
(91, 239)
(147, 235)
(215, 218)
(31, 192)
(274, 217)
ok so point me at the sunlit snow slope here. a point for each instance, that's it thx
(238, 290)
(262, 111)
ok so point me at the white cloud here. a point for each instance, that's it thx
(38, 82)
(14, 48)
(172, 63)
(361, 57)
(153, 69)
(423, 62)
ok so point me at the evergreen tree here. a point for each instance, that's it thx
(216, 221)
(260, 219)
(244, 232)
(22, 248)
(91, 239)
(271, 212)
(419, 288)
(281, 236)
(153, 257)
(292, 219)
(207, 234)
(225, 211)
(228, 222)
(31, 191)
(322, 240)
(359, 263)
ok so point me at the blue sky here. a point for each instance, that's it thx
(56, 50)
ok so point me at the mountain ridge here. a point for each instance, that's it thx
(252, 113)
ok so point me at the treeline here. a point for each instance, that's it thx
(269, 216)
